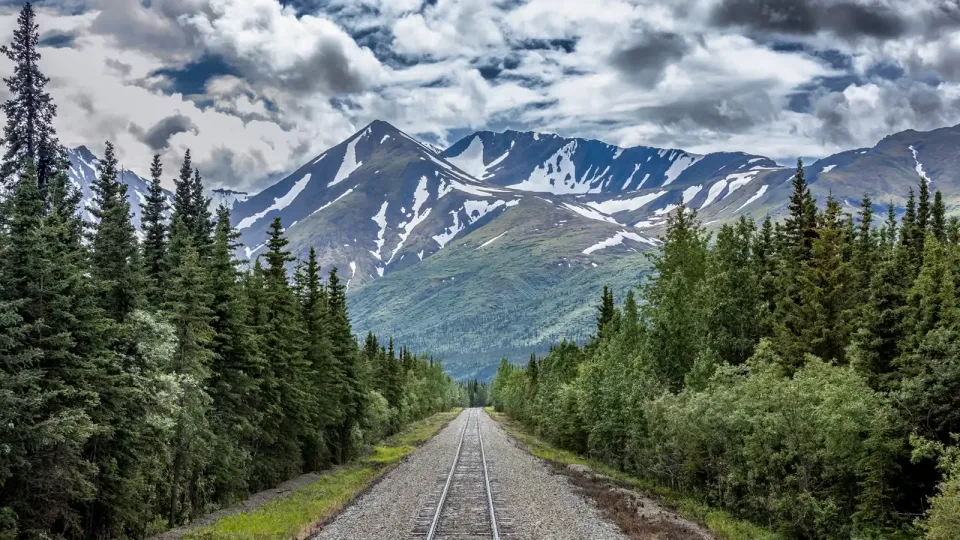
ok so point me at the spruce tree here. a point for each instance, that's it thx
(938, 218)
(202, 225)
(320, 368)
(29, 138)
(235, 365)
(604, 311)
(801, 223)
(344, 347)
(282, 387)
(114, 242)
(52, 347)
(187, 309)
(155, 234)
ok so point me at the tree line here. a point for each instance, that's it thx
(803, 374)
(146, 382)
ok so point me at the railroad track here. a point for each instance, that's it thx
(464, 509)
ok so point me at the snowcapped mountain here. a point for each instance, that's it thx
(503, 239)
(551, 164)
(83, 172)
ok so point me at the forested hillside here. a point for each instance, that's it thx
(145, 383)
(802, 374)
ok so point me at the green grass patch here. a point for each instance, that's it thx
(720, 522)
(296, 514)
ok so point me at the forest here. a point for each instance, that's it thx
(148, 379)
(803, 374)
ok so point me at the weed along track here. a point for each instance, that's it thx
(466, 506)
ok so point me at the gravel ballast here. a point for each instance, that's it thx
(536, 504)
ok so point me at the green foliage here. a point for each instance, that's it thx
(776, 374)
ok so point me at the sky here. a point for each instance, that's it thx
(255, 88)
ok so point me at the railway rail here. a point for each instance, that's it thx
(464, 509)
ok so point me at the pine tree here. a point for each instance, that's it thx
(155, 235)
(29, 137)
(865, 248)
(183, 195)
(923, 209)
(115, 252)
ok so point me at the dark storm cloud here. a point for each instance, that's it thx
(732, 113)
(328, 68)
(158, 137)
(846, 19)
(645, 61)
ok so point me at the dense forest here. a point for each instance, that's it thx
(803, 374)
(147, 380)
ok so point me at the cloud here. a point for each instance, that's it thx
(846, 19)
(158, 137)
(645, 60)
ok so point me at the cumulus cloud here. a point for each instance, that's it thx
(300, 76)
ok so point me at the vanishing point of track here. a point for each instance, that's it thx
(465, 509)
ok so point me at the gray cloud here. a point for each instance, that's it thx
(846, 19)
(645, 61)
(731, 113)
(898, 105)
(158, 137)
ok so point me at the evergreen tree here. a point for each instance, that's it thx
(201, 223)
(344, 347)
(115, 252)
(321, 371)
(800, 227)
(235, 365)
(604, 311)
(29, 138)
(819, 323)
(155, 235)
(675, 300)
(923, 209)
(188, 312)
(938, 218)
(284, 382)
(51, 343)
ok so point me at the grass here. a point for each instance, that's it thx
(720, 522)
(297, 514)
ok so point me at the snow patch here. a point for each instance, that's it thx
(350, 163)
(329, 204)
(492, 240)
(679, 165)
(420, 196)
(739, 180)
(828, 168)
(590, 213)
(691, 192)
(381, 220)
(617, 240)
(626, 205)
(759, 194)
(556, 175)
(666, 209)
(754, 160)
(278, 204)
(474, 210)
(715, 191)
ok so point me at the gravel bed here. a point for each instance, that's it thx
(541, 505)
(532, 503)
(389, 509)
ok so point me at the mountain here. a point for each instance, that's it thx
(498, 246)
(83, 172)
(381, 201)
